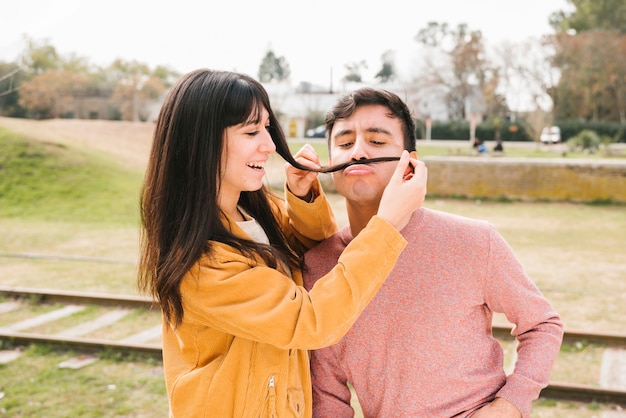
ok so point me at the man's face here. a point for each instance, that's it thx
(370, 132)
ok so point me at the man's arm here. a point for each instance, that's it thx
(331, 395)
(538, 327)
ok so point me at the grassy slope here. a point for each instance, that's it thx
(61, 200)
(46, 181)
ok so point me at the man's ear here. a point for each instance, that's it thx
(413, 154)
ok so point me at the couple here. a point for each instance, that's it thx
(269, 311)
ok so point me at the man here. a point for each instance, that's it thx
(423, 347)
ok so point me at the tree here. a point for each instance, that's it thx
(57, 86)
(528, 73)
(166, 74)
(39, 57)
(591, 15)
(457, 66)
(41, 94)
(590, 55)
(388, 71)
(135, 87)
(354, 71)
(593, 76)
(273, 68)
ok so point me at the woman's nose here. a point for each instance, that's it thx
(268, 144)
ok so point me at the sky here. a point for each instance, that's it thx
(316, 37)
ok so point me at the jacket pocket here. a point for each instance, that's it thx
(295, 399)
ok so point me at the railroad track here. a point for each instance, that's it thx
(73, 302)
(12, 298)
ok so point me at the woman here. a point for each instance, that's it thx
(222, 255)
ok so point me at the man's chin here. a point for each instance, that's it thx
(361, 194)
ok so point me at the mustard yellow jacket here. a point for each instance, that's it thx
(241, 350)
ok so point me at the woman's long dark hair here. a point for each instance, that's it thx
(179, 211)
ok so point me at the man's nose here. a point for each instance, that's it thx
(358, 151)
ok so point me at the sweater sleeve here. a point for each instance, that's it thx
(331, 394)
(263, 304)
(537, 326)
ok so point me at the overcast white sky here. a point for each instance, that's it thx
(316, 37)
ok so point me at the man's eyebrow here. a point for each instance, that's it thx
(373, 129)
(377, 130)
(343, 132)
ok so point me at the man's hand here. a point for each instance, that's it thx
(499, 408)
(299, 181)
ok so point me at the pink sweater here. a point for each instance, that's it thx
(423, 346)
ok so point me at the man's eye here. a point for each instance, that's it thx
(344, 144)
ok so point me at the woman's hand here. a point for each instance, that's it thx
(405, 192)
(299, 181)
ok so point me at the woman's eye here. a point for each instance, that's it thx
(268, 128)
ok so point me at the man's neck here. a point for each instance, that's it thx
(359, 215)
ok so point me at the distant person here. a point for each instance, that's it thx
(423, 347)
(499, 148)
(222, 254)
(480, 146)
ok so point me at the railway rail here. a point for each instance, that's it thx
(555, 390)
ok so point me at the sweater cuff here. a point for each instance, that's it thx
(521, 392)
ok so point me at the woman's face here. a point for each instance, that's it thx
(247, 149)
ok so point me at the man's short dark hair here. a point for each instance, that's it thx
(347, 104)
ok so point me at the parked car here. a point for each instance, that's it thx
(317, 132)
(550, 135)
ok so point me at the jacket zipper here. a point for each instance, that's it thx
(272, 397)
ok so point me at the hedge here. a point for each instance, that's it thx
(516, 131)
